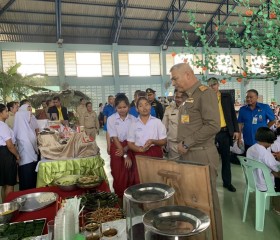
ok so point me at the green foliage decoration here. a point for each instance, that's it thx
(16, 86)
(260, 37)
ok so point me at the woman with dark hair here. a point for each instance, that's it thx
(147, 135)
(9, 156)
(118, 126)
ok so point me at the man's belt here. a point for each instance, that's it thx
(196, 148)
(90, 128)
(223, 129)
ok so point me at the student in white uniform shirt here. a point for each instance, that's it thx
(146, 136)
(275, 147)
(260, 152)
(264, 137)
(9, 155)
(118, 126)
(24, 129)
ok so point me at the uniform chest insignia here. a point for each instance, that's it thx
(202, 88)
(189, 100)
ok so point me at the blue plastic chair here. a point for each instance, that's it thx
(262, 198)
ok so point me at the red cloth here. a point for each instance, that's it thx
(50, 211)
(154, 151)
(118, 170)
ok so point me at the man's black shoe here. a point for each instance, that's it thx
(231, 188)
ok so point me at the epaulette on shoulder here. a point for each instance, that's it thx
(202, 88)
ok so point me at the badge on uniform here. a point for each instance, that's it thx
(189, 100)
(255, 120)
(185, 119)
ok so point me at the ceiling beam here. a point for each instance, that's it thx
(170, 21)
(228, 13)
(58, 19)
(82, 26)
(210, 23)
(6, 7)
(102, 16)
(100, 3)
(118, 20)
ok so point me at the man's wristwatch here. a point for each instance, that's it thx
(185, 145)
(125, 155)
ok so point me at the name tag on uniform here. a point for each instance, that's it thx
(255, 120)
(185, 119)
(189, 100)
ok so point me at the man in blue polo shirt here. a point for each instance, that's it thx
(252, 116)
(108, 110)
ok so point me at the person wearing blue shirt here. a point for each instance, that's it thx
(108, 110)
(253, 116)
(133, 111)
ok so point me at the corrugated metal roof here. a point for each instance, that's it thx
(143, 22)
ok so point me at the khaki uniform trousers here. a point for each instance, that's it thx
(173, 151)
(208, 156)
(91, 132)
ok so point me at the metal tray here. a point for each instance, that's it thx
(176, 221)
(149, 192)
(32, 204)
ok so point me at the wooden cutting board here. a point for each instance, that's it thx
(190, 181)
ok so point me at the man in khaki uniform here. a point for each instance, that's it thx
(170, 121)
(199, 122)
(12, 108)
(90, 121)
(81, 109)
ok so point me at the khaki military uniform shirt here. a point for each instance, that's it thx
(81, 109)
(170, 121)
(89, 120)
(10, 121)
(199, 118)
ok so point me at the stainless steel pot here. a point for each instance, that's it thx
(141, 198)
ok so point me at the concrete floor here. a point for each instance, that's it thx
(231, 206)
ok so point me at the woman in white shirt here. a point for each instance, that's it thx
(147, 135)
(9, 156)
(118, 126)
(24, 130)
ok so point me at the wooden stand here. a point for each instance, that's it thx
(190, 181)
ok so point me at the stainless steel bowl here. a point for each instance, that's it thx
(7, 207)
(64, 185)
